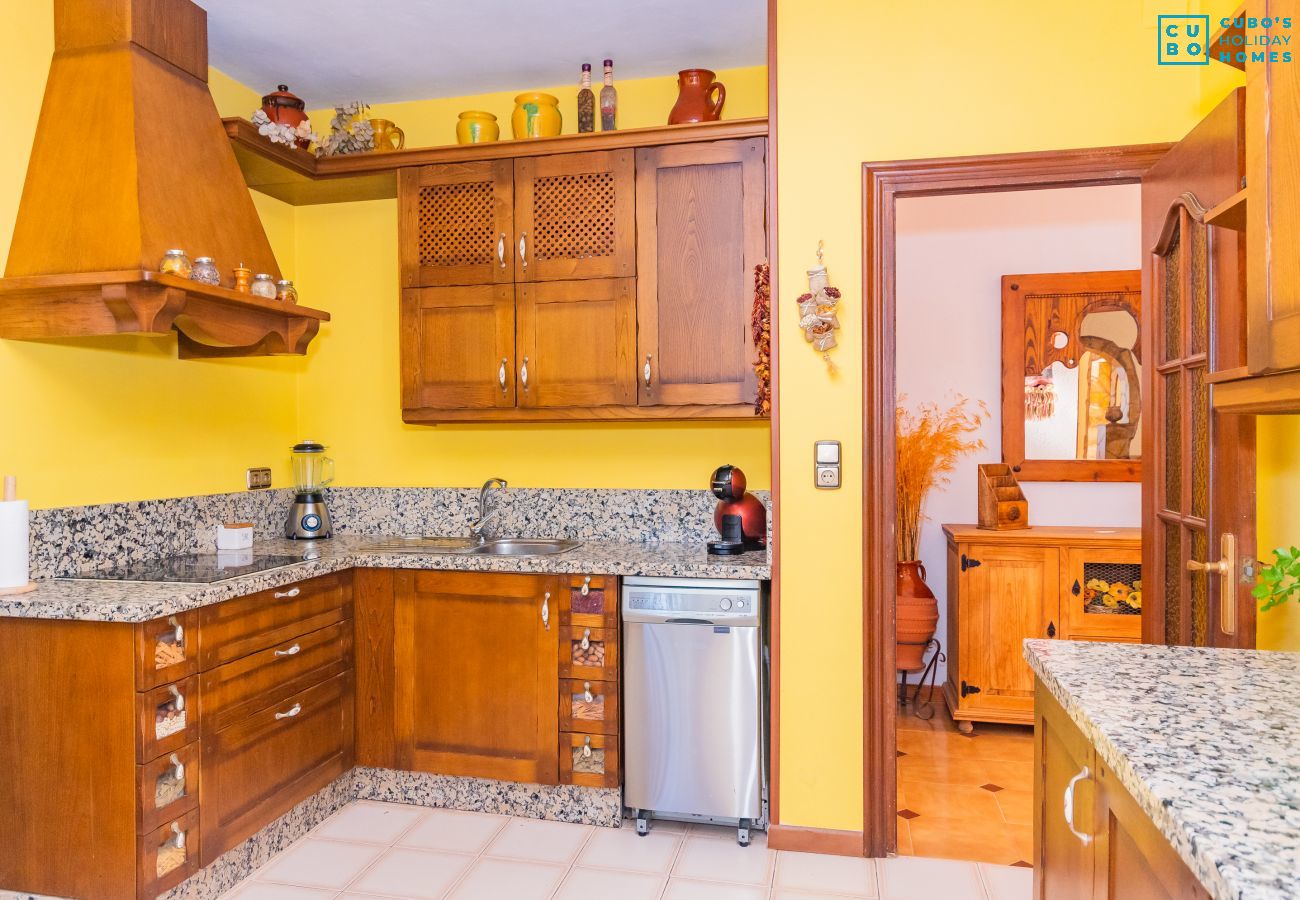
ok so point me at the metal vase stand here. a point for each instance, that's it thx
(931, 671)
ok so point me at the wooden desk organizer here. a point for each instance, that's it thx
(1002, 505)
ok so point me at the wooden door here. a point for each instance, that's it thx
(1063, 758)
(455, 224)
(1132, 858)
(1101, 591)
(700, 233)
(574, 216)
(1199, 478)
(576, 341)
(477, 684)
(1007, 594)
(458, 347)
(1273, 179)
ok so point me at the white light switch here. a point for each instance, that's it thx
(826, 464)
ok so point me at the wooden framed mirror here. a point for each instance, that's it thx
(1072, 376)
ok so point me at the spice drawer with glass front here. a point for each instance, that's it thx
(1044, 582)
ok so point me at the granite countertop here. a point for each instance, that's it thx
(1207, 742)
(122, 601)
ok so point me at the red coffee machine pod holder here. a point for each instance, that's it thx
(740, 517)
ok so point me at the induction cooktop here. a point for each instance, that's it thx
(197, 568)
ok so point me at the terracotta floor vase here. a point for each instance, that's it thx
(917, 616)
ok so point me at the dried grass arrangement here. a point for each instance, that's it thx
(929, 442)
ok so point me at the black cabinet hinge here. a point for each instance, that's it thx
(968, 688)
(968, 563)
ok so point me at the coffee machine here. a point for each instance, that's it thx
(740, 517)
(312, 471)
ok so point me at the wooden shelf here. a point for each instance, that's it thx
(1237, 391)
(300, 179)
(209, 321)
(1231, 213)
(1234, 35)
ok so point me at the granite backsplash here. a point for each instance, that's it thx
(73, 538)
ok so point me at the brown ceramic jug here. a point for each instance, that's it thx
(917, 615)
(695, 100)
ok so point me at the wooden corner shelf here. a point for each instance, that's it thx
(300, 179)
(1233, 32)
(1231, 213)
(209, 321)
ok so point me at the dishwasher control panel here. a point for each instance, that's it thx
(678, 599)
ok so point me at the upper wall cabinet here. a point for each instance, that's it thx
(610, 284)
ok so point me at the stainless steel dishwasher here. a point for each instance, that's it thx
(695, 701)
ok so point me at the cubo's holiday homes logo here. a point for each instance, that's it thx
(1243, 39)
(1182, 40)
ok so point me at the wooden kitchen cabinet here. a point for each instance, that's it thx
(701, 211)
(458, 348)
(455, 224)
(476, 678)
(1091, 839)
(1007, 586)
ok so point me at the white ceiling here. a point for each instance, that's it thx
(333, 51)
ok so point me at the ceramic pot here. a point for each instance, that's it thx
(695, 97)
(536, 115)
(388, 136)
(284, 108)
(916, 617)
(477, 127)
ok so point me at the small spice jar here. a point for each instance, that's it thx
(205, 271)
(175, 262)
(284, 290)
(263, 286)
(243, 277)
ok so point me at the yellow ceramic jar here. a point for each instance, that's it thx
(536, 115)
(477, 127)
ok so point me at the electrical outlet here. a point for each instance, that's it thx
(826, 464)
(258, 478)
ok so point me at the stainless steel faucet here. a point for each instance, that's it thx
(478, 530)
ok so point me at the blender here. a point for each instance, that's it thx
(312, 471)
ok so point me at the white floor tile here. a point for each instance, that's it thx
(787, 894)
(539, 840)
(916, 878)
(687, 889)
(1007, 882)
(712, 860)
(509, 879)
(817, 872)
(598, 884)
(252, 890)
(726, 833)
(453, 830)
(373, 823)
(320, 863)
(620, 848)
(419, 874)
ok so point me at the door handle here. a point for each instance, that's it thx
(1084, 839)
(1226, 569)
(501, 249)
(523, 374)
(292, 651)
(290, 712)
(501, 374)
(546, 610)
(523, 248)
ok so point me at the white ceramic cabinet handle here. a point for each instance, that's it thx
(546, 610)
(290, 712)
(178, 698)
(292, 651)
(501, 249)
(586, 692)
(523, 373)
(501, 374)
(178, 767)
(586, 586)
(523, 248)
(645, 372)
(586, 639)
(292, 592)
(586, 748)
(1084, 839)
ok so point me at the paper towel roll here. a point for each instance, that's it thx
(13, 544)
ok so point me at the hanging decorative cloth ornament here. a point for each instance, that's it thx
(1040, 397)
(817, 315)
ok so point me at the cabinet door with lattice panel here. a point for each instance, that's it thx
(458, 347)
(455, 224)
(1101, 593)
(575, 216)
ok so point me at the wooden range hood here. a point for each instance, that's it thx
(131, 159)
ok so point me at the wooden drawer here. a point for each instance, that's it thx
(168, 855)
(166, 649)
(589, 759)
(596, 661)
(167, 788)
(591, 601)
(167, 718)
(258, 768)
(240, 688)
(239, 627)
(590, 707)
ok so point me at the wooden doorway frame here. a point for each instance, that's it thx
(883, 184)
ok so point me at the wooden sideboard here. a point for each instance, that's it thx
(1007, 586)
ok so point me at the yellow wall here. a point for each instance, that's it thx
(349, 396)
(879, 81)
(89, 421)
